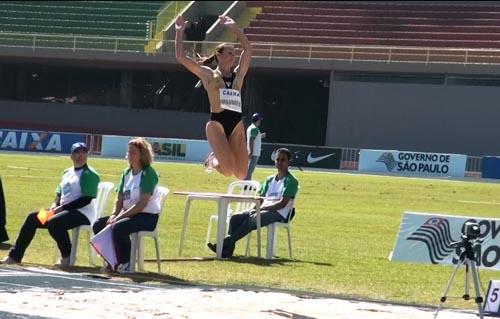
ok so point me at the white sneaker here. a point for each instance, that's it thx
(209, 163)
(63, 262)
(123, 268)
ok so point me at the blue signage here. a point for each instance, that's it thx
(490, 167)
(31, 141)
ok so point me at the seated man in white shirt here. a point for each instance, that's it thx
(279, 191)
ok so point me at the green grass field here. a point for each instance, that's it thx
(343, 232)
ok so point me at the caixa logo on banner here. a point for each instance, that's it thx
(38, 141)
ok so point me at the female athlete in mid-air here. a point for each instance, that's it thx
(225, 130)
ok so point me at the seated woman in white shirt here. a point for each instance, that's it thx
(137, 204)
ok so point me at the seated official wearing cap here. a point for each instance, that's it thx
(72, 207)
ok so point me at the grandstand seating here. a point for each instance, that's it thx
(84, 18)
(379, 24)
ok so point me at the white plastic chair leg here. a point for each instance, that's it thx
(184, 226)
(275, 241)
(91, 251)
(74, 245)
(270, 241)
(140, 254)
(133, 252)
(209, 231)
(289, 243)
(158, 260)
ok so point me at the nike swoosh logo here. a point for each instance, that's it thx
(312, 160)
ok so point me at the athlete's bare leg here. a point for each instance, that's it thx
(239, 153)
(224, 162)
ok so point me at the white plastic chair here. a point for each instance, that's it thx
(272, 234)
(241, 188)
(137, 244)
(103, 190)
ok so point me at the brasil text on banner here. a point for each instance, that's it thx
(431, 238)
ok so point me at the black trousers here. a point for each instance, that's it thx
(242, 224)
(3, 213)
(122, 230)
(58, 227)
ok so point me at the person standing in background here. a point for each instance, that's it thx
(254, 144)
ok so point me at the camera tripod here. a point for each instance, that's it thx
(467, 260)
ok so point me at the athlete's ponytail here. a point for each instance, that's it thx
(206, 60)
(211, 60)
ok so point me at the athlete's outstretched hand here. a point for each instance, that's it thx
(180, 23)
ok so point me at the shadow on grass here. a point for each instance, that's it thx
(5, 246)
(163, 278)
(275, 261)
(245, 260)
(138, 277)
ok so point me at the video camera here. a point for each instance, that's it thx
(471, 230)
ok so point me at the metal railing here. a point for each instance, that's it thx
(72, 42)
(353, 53)
(270, 51)
(385, 54)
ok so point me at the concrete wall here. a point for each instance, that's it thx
(102, 120)
(416, 117)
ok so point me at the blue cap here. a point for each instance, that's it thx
(256, 116)
(78, 146)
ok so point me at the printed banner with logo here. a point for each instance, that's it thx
(412, 163)
(31, 141)
(304, 156)
(163, 148)
(436, 239)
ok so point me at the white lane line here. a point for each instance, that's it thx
(478, 202)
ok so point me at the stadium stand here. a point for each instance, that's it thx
(91, 18)
(382, 24)
(376, 31)
(78, 24)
